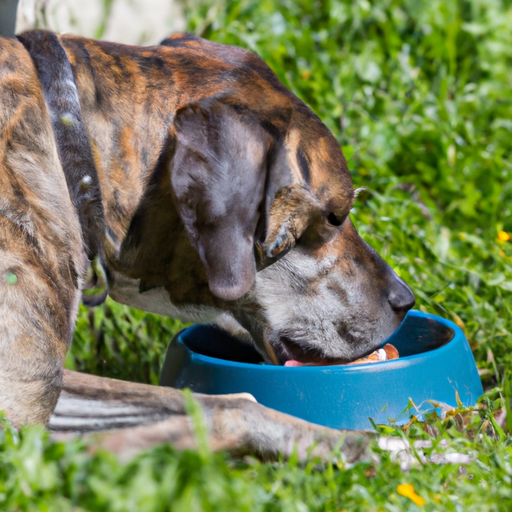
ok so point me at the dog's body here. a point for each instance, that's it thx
(184, 169)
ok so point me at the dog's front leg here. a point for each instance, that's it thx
(133, 417)
(250, 428)
(38, 306)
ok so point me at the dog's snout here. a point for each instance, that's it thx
(400, 296)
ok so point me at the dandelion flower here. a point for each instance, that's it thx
(503, 236)
(408, 491)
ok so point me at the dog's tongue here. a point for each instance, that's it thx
(385, 353)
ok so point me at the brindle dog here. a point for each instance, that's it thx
(197, 184)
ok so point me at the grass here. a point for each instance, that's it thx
(41, 476)
(418, 94)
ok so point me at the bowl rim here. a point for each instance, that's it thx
(378, 366)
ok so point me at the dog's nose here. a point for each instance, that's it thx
(400, 296)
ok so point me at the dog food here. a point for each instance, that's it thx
(386, 353)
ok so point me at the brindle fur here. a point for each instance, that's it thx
(209, 169)
(40, 243)
(136, 416)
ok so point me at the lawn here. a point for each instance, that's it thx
(418, 93)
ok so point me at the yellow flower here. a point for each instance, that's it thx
(503, 236)
(305, 74)
(408, 491)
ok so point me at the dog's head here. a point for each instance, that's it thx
(265, 194)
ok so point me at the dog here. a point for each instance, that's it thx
(189, 182)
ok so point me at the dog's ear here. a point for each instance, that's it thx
(292, 210)
(218, 178)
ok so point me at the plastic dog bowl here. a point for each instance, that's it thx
(435, 367)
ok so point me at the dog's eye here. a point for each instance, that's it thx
(334, 220)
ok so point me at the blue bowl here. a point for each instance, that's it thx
(435, 367)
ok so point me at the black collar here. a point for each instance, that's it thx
(75, 153)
